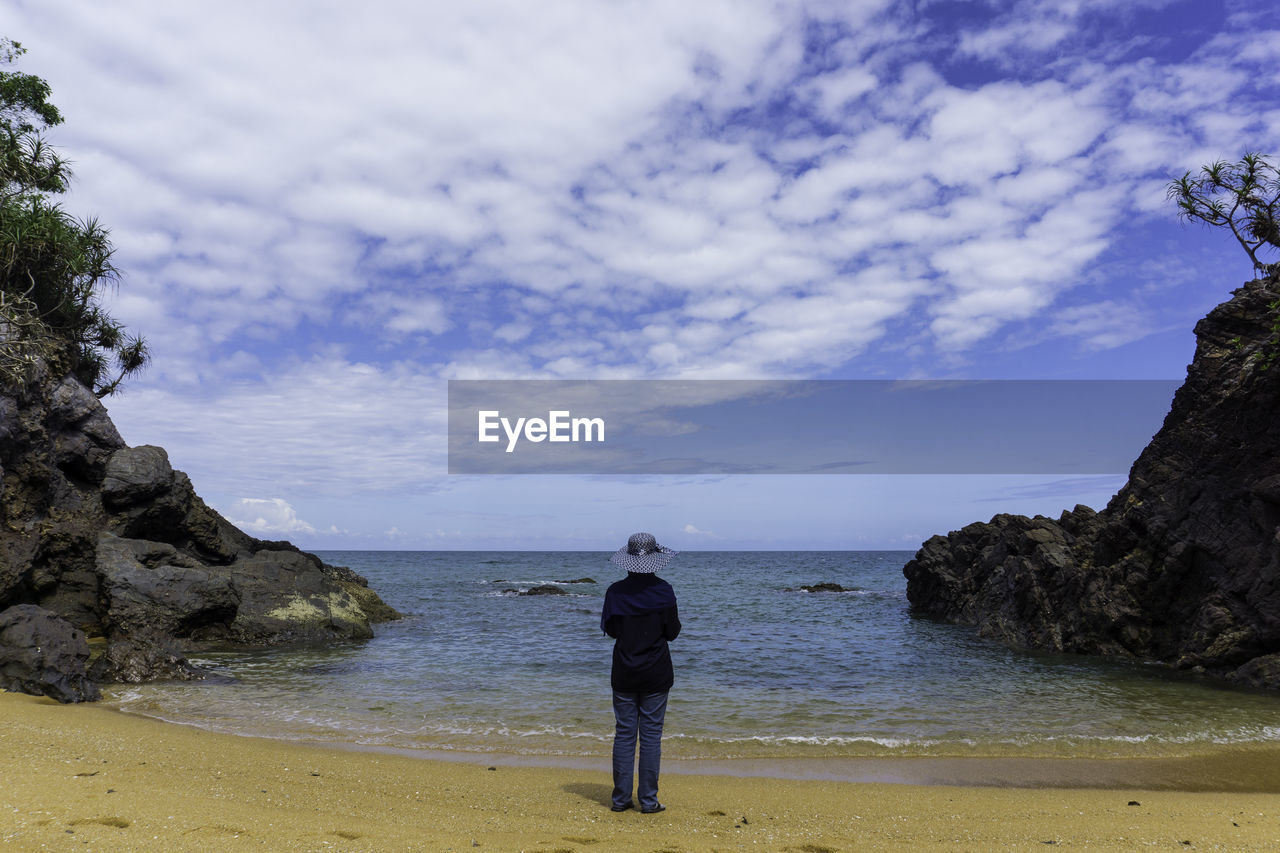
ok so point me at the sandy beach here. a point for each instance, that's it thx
(88, 777)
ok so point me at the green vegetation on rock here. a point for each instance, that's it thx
(53, 266)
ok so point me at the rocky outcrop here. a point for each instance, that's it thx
(113, 543)
(1183, 565)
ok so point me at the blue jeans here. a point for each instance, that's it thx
(637, 713)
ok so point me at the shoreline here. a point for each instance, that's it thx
(93, 774)
(1253, 768)
(1202, 767)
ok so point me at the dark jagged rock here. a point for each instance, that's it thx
(84, 437)
(151, 586)
(41, 653)
(135, 475)
(116, 542)
(1183, 565)
(579, 580)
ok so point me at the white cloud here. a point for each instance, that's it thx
(1030, 29)
(628, 189)
(1101, 325)
(838, 89)
(1014, 36)
(266, 516)
(325, 426)
(411, 315)
(323, 212)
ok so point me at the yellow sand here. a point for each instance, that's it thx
(89, 778)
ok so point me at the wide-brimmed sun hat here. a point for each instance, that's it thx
(642, 554)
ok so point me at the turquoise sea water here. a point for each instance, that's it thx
(762, 670)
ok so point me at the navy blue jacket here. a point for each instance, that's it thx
(640, 614)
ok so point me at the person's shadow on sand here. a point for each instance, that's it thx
(593, 791)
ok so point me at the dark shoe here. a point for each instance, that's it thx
(658, 808)
(622, 808)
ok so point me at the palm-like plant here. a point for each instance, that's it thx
(1243, 197)
(53, 267)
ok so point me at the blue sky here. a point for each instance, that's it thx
(325, 211)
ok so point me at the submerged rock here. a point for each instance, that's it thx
(1183, 565)
(824, 586)
(579, 580)
(544, 589)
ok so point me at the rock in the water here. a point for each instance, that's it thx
(544, 589)
(824, 586)
(1262, 671)
(1183, 565)
(285, 597)
(43, 654)
(579, 580)
(357, 586)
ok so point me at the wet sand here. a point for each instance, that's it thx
(88, 777)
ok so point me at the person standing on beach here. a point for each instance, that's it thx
(640, 614)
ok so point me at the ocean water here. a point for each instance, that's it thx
(762, 670)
